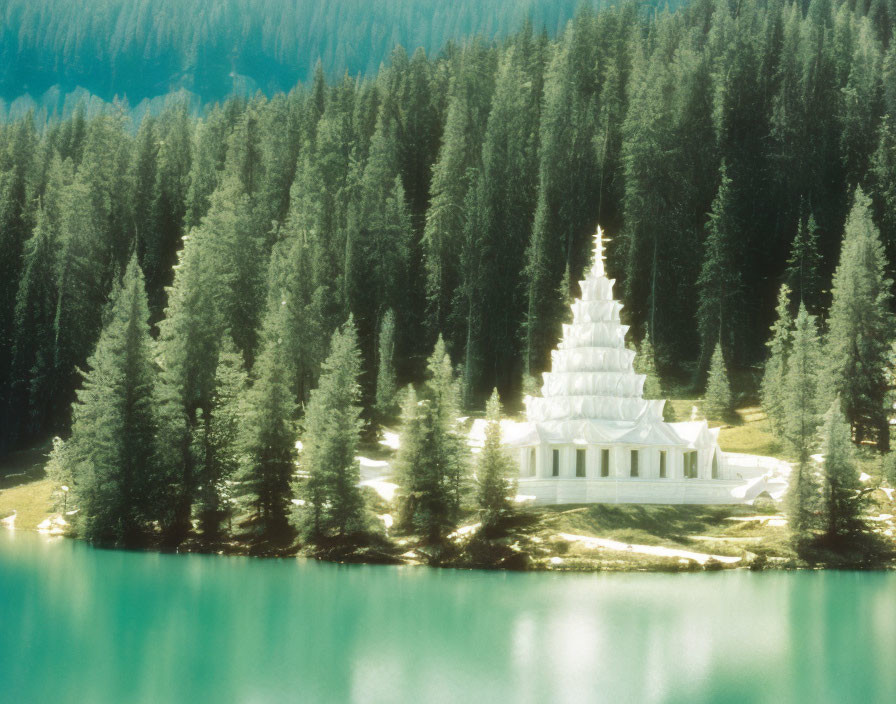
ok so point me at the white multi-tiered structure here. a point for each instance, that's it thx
(591, 437)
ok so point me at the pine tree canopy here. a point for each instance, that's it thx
(772, 390)
(860, 328)
(331, 431)
(110, 454)
(801, 414)
(494, 468)
(718, 402)
(843, 507)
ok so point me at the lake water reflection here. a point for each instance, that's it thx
(85, 625)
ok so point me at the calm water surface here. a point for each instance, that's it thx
(85, 625)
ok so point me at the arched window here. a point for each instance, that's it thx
(715, 465)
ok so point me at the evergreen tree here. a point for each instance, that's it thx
(803, 272)
(110, 455)
(772, 388)
(433, 458)
(882, 179)
(269, 437)
(33, 381)
(717, 402)
(82, 274)
(16, 154)
(332, 429)
(502, 221)
(645, 363)
(860, 328)
(565, 208)
(218, 433)
(445, 217)
(409, 457)
(444, 395)
(468, 293)
(719, 286)
(162, 231)
(143, 175)
(801, 416)
(843, 507)
(385, 377)
(494, 469)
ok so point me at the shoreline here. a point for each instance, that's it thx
(605, 560)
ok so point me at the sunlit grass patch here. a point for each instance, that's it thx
(31, 503)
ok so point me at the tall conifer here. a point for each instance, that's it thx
(800, 416)
(434, 463)
(331, 432)
(269, 435)
(111, 453)
(217, 439)
(843, 507)
(718, 285)
(772, 388)
(494, 468)
(385, 373)
(718, 403)
(860, 328)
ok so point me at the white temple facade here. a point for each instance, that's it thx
(592, 438)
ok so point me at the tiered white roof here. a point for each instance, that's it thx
(592, 394)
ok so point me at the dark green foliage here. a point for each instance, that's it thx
(645, 363)
(804, 265)
(330, 435)
(217, 442)
(718, 403)
(843, 503)
(860, 328)
(32, 377)
(17, 150)
(568, 176)
(772, 390)
(500, 225)
(111, 454)
(494, 469)
(432, 461)
(385, 374)
(720, 290)
(269, 436)
(800, 415)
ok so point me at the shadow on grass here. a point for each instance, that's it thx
(862, 551)
(664, 521)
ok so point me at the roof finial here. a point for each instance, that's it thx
(599, 256)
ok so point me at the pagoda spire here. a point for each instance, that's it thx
(599, 255)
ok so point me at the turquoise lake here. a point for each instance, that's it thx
(84, 625)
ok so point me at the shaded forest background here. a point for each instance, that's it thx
(57, 53)
(456, 194)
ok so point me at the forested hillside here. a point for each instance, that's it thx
(212, 48)
(720, 146)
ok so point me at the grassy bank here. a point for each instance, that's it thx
(24, 489)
